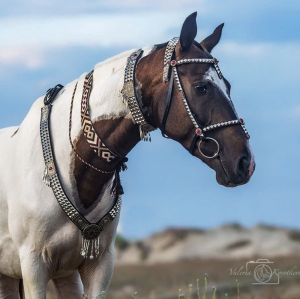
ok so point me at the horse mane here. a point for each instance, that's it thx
(125, 54)
(113, 59)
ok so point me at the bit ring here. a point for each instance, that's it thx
(217, 152)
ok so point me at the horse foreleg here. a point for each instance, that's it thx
(9, 287)
(96, 275)
(69, 287)
(35, 275)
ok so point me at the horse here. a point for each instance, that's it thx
(176, 87)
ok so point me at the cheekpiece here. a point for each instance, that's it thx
(90, 231)
(168, 57)
(130, 97)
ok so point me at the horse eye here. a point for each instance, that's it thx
(201, 88)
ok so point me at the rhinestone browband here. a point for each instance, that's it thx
(90, 231)
(130, 97)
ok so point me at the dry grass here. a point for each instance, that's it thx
(164, 281)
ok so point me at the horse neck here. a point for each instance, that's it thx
(113, 123)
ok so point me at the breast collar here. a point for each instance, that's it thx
(90, 231)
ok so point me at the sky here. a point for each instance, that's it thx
(43, 43)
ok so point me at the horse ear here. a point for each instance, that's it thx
(211, 41)
(188, 32)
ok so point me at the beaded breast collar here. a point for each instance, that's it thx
(90, 231)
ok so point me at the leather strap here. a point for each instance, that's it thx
(192, 146)
(168, 105)
(52, 93)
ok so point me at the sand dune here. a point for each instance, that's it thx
(225, 242)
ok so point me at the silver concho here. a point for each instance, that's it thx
(91, 232)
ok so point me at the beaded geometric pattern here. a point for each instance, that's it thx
(87, 126)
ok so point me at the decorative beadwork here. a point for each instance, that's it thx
(90, 231)
(195, 60)
(221, 125)
(130, 98)
(89, 132)
(168, 56)
(213, 61)
(183, 97)
(168, 62)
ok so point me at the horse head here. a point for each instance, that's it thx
(188, 98)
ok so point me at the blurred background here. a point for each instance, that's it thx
(173, 209)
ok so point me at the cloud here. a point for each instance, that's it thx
(244, 49)
(77, 7)
(29, 57)
(91, 30)
(154, 4)
(260, 49)
(295, 112)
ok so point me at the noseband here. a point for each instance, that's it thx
(169, 62)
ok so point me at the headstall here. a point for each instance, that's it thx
(169, 62)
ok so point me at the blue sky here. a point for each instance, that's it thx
(42, 44)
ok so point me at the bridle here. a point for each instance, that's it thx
(135, 104)
(171, 62)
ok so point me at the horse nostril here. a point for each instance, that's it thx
(243, 166)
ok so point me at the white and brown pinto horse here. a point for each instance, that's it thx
(38, 242)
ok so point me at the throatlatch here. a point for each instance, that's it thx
(90, 231)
